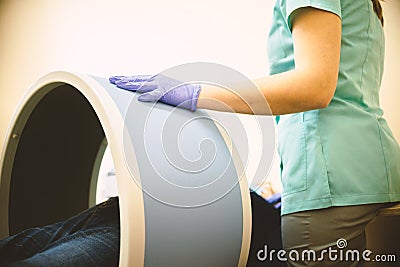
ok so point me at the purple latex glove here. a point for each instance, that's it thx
(132, 83)
(275, 199)
(160, 88)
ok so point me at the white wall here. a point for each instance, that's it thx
(390, 92)
(102, 37)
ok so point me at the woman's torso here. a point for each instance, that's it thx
(344, 154)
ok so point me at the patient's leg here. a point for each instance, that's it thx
(90, 238)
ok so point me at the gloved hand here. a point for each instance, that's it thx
(275, 200)
(160, 88)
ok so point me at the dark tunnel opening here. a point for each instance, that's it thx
(53, 165)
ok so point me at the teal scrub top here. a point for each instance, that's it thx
(344, 154)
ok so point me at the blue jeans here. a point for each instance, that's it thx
(90, 238)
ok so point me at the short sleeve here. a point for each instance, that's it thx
(327, 5)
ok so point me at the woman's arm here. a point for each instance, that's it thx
(311, 85)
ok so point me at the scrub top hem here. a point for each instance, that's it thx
(321, 203)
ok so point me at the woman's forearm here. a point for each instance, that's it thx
(287, 92)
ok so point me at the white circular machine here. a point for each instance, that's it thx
(50, 162)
